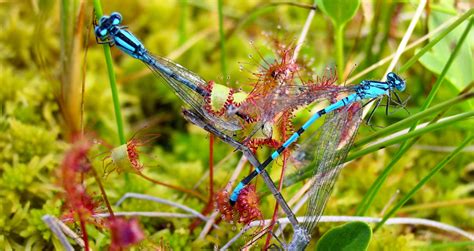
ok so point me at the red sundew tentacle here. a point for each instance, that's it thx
(228, 102)
(254, 144)
(208, 105)
(282, 70)
(223, 206)
(133, 156)
(236, 104)
(78, 202)
(127, 158)
(209, 86)
(285, 126)
(230, 99)
(247, 205)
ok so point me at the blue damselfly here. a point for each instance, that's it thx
(367, 89)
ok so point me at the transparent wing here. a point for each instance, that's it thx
(192, 98)
(325, 152)
(290, 97)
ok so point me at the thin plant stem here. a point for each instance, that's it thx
(112, 80)
(304, 32)
(163, 201)
(146, 214)
(370, 38)
(339, 39)
(457, 245)
(211, 168)
(174, 54)
(113, 88)
(82, 223)
(306, 172)
(238, 169)
(453, 23)
(433, 42)
(412, 134)
(415, 117)
(376, 186)
(259, 10)
(182, 21)
(437, 204)
(178, 188)
(222, 38)
(391, 221)
(299, 44)
(102, 191)
(406, 37)
(69, 232)
(423, 181)
(53, 226)
(401, 47)
(280, 186)
(83, 82)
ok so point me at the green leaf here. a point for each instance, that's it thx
(461, 73)
(340, 11)
(351, 236)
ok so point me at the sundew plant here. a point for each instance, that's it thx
(183, 125)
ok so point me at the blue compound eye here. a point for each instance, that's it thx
(116, 18)
(401, 85)
(100, 32)
(103, 19)
(391, 76)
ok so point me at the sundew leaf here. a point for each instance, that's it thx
(340, 11)
(352, 236)
(461, 72)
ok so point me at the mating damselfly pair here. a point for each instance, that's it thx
(326, 151)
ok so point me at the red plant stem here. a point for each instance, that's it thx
(211, 167)
(85, 238)
(102, 191)
(181, 189)
(210, 205)
(280, 186)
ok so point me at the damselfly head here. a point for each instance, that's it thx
(107, 22)
(396, 81)
(116, 18)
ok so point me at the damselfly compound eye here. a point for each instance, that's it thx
(103, 19)
(116, 18)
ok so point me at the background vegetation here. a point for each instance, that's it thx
(43, 47)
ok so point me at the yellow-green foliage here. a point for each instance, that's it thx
(29, 144)
(33, 138)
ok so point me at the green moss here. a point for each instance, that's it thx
(23, 141)
(31, 125)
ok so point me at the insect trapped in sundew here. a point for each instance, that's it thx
(245, 211)
(126, 158)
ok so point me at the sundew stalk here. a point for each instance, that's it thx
(126, 158)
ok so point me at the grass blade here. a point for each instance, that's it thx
(373, 190)
(423, 181)
(112, 80)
